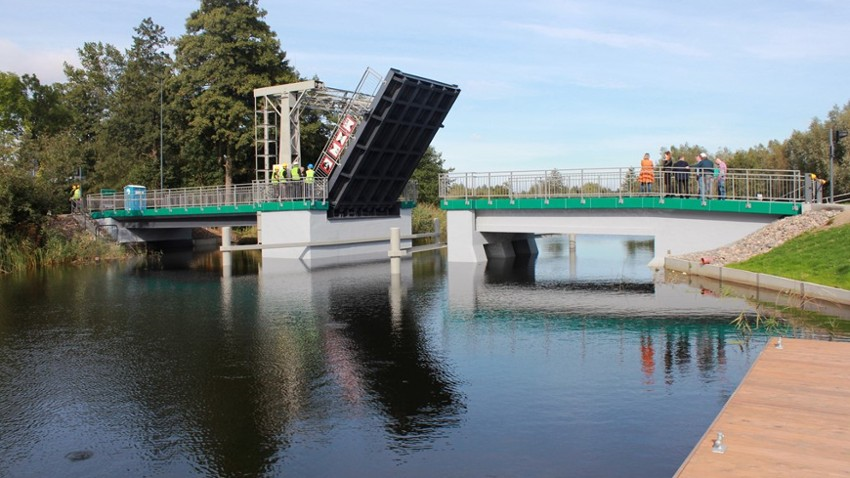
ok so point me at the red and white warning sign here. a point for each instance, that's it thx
(332, 154)
(326, 165)
(348, 124)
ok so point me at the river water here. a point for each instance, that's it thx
(567, 365)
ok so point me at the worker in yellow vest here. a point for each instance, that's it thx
(283, 169)
(76, 196)
(308, 180)
(296, 178)
(277, 178)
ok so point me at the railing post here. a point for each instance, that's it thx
(489, 188)
(581, 185)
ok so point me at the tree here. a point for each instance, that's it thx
(227, 51)
(28, 111)
(133, 129)
(427, 175)
(13, 105)
(686, 150)
(90, 87)
(88, 95)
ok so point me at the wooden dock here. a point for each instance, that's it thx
(790, 416)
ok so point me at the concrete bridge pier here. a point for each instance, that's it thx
(469, 245)
(311, 238)
(226, 256)
(504, 246)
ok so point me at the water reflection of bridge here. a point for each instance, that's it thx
(469, 289)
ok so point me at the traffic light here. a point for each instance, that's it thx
(840, 133)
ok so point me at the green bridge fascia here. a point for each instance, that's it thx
(675, 204)
(222, 210)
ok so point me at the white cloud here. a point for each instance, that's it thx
(47, 65)
(613, 40)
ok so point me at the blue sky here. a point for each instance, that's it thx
(544, 84)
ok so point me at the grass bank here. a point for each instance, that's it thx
(54, 243)
(821, 257)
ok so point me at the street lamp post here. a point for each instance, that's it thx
(160, 136)
(834, 135)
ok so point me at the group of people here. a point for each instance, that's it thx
(294, 175)
(676, 175)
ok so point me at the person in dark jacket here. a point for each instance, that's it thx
(681, 173)
(667, 172)
(705, 172)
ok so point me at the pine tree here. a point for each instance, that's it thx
(228, 51)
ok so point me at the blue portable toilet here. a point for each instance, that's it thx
(135, 198)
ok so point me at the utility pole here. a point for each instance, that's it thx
(831, 160)
(834, 135)
(160, 135)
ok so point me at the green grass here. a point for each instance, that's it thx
(821, 257)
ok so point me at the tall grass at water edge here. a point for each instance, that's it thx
(22, 253)
(423, 221)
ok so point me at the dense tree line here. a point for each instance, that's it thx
(806, 151)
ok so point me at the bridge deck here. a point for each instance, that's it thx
(780, 208)
(789, 417)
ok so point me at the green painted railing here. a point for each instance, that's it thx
(236, 199)
(582, 186)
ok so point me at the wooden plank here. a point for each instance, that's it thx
(790, 416)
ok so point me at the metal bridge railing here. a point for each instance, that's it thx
(255, 193)
(741, 184)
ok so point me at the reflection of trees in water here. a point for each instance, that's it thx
(633, 247)
(408, 382)
(242, 263)
(680, 350)
(707, 342)
(157, 360)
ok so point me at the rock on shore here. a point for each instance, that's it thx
(771, 236)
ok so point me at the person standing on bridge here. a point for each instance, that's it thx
(681, 171)
(667, 172)
(295, 177)
(308, 176)
(308, 180)
(705, 171)
(647, 174)
(276, 179)
(720, 174)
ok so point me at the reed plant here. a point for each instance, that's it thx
(423, 221)
(18, 253)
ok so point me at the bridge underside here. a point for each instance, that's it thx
(474, 235)
(374, 169)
